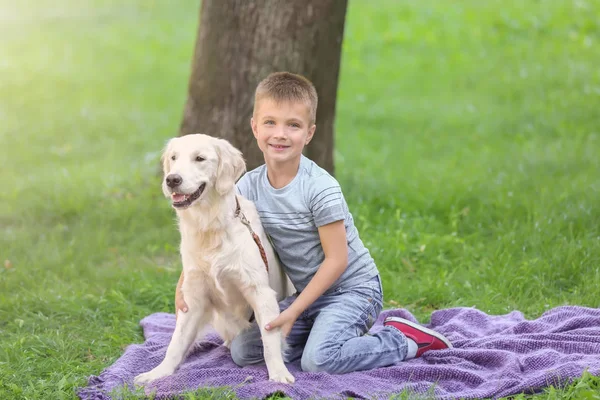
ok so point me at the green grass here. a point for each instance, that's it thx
(467, 144)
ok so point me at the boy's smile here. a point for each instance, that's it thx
(279, 147)
(282, 129)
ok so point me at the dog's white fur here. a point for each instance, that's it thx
(225, 278)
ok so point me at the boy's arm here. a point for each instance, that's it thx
(335, 247)
(179, 301)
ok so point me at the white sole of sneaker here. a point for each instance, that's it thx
(421, 328)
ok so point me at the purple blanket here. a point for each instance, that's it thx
(494, 356)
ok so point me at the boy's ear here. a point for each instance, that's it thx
(311, 133)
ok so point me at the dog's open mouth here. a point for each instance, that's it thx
(181, 200)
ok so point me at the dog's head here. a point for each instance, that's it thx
(194, 165)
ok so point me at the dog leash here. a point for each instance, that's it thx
(240, 214)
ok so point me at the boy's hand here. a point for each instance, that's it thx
(285, 320)
(180, 303)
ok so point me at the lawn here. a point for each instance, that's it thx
(467, 145)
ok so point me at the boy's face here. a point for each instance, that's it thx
(282, 129)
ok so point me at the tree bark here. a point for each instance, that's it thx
(239, 43)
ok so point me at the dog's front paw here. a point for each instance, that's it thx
(282, 376)
(149, 376)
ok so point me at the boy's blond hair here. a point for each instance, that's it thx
(285, 86)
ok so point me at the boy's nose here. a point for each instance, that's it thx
(280, 133)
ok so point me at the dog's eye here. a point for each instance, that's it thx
(173, 157)
(200, 159)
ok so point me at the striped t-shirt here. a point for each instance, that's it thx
(291, 216)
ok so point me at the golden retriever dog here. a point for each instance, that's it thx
(225, 277)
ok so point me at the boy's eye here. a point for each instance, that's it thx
(294, 125)
(269, 122)
(200, 158)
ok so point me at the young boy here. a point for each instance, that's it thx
(303, 210)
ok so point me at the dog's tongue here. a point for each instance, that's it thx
(177, 197)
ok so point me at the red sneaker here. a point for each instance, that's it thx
(426, 339)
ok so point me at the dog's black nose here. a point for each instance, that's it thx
(174, 180)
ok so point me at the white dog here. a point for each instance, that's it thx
(225, 276)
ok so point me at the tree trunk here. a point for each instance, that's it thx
(239, 43)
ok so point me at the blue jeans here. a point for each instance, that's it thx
(330, 335)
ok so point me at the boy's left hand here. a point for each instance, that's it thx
(285, 321)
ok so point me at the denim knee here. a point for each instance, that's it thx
(316, 361)
(239, 352)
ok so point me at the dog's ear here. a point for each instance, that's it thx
(231, 166)
(164, 158)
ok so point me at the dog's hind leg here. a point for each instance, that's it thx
(186, 329)
(264, 303)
